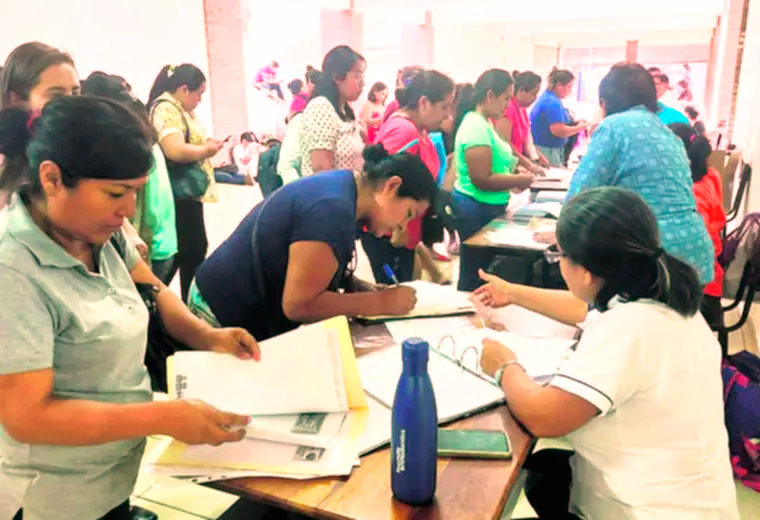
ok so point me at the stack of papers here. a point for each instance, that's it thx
(433, 300)
(307, 406)
(556, 174)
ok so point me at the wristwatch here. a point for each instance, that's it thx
(500, 372)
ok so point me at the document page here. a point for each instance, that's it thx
(299, 372)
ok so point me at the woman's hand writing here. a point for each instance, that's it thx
(397, 301)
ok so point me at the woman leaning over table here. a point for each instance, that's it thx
(485, 166)
(514, 127)
(75, 397)
(423, 105)
(640, 401)
(176, 93)
(35, 73)
(286, 262)
(632, 149)
(330, 137)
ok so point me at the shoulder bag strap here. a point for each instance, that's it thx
(181, 114)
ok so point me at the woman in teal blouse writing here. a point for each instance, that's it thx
(633, 149)
(485, 166)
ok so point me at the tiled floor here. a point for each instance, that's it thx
(175, 500)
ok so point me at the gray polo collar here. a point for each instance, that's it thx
(24, 229)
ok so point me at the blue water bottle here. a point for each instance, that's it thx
(414, 440)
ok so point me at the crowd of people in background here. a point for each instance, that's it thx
(104, 192)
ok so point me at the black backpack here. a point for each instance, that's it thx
(267, 177)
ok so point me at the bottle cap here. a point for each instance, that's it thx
(416, 348)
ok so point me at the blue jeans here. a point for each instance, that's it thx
(471, 216)
(555, 156)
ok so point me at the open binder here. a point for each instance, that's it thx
(461, 388)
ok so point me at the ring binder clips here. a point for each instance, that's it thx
(453, 345)
(477, 358)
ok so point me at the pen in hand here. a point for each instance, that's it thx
(390, 274)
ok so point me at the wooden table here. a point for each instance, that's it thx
(530, 252)
(476, 489)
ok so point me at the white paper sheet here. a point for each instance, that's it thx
(556, 174)
(429, 329)
(298, 372)
(378, 431)
(434, 300)
(284, 428)
(517, 236)
(523, 322)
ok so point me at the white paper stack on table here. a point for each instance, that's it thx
(305, 398)
(433, 300)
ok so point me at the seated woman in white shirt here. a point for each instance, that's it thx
(641, 399)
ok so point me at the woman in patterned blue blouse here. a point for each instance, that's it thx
(632, 149)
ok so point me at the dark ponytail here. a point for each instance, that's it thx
(172, 78)
(431, 84)
(613, 234)
(14, 138)
(493, 80)
(405, 77)
(416, 181)
(698, 149)
(559, 77)
(87, 137)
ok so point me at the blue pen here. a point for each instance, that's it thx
(390, 274)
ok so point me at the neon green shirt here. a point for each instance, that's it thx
(474, 131)
(156, 213)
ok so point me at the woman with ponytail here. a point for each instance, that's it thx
(176, 93)
(708, 194)
(549, 120)
(423, 105)
(288, 258)
(486, 166)
(640, 399)
(75, 397)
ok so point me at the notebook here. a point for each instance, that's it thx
(308, 370)
(433, 300)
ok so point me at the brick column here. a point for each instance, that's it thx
(417, 43)
(341, 27)
(225, 29)
(632, 51)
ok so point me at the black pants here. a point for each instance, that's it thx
(120, 512)
(192, 243)
(712, 310)
(548, 485)
(380, 252)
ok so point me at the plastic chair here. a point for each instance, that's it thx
(746, 176)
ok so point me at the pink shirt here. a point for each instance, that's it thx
(520, 124)
(395, 134)
(390, 109)
(298, 103)
(265, 74)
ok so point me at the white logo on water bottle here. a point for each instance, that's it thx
(401, 452)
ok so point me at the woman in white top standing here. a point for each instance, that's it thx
(641, 398)
(330, 138)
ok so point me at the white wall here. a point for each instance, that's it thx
(131, 38)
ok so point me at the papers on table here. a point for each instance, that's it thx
(433, 300)
(431, 330)
(556, 174)
(516, 236)
(311, 369)
(523, 322)
(538, 210)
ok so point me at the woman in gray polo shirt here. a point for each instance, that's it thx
(75, 397)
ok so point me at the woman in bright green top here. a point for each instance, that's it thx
(485, 166)
(154, 217)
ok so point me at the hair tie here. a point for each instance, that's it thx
(691, 140)
(657, 254)
(32, 120)
(171, 70)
